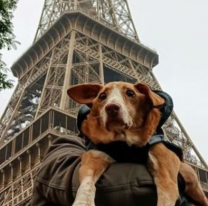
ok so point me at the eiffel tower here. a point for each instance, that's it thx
(77, 41)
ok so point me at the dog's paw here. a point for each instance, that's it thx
(167, 198)
(84, 201)
(79, 203)
(86, 193)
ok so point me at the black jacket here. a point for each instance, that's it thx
(124, 184)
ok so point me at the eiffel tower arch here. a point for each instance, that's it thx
(77, 41)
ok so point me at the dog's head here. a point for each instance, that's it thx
(120, 111)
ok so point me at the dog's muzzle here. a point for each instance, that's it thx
(112, 110)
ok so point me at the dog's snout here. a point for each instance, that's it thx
(112, 109)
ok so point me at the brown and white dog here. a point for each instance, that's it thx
(122, 111)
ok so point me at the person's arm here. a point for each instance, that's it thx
(54, 178)
(57, 180)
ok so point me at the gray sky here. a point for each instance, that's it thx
(177, 30)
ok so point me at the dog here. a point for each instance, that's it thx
(121, 111)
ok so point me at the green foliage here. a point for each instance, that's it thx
(7, 38)
(4, 82)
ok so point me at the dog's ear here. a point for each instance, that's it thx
(84, 93)
(155, 98)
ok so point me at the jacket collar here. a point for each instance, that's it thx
(166, 109)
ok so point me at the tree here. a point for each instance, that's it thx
(7, 38)
(4, 82)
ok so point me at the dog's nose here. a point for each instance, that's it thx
(112, 109)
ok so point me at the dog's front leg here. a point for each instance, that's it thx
(164, 166)
(93, 164)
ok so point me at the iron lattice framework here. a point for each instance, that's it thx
(76, 42)
(112, 13)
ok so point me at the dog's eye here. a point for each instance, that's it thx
(130, 93)
(102, 96)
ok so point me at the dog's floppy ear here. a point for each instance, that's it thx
(155, 98)
(84, 93)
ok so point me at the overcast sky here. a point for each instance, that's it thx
(177, 30)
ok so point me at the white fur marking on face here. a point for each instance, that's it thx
(116, 97)
(86, 193)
